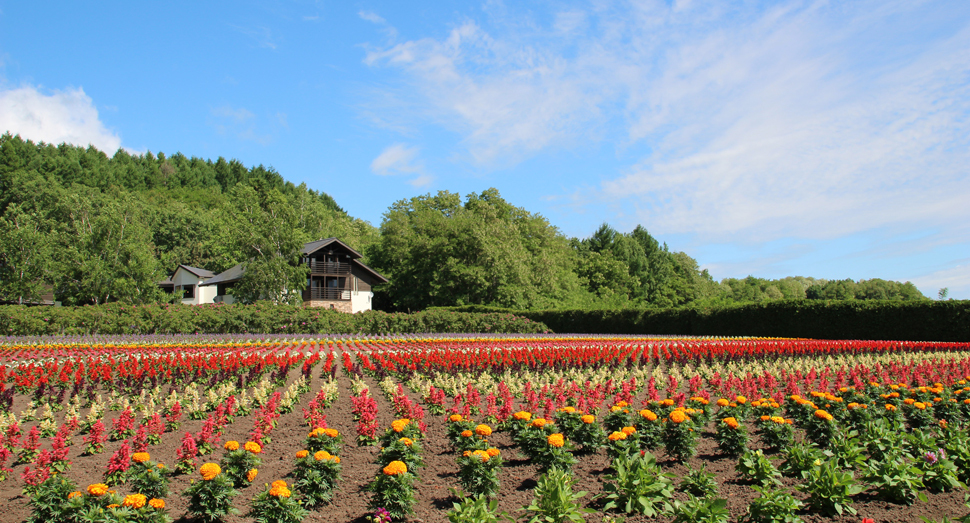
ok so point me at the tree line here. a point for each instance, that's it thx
(93, 229)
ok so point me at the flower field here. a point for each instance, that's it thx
(463, 427)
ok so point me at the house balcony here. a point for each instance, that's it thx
(322, 267)
(326, 293)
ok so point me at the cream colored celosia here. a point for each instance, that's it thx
(330, 391)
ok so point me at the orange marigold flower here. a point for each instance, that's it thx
(140, 457)
(731, 422)
(778, 419)
(316, 432)
(556, 440)
(253, 447)
(522, 415)
(649, 414)
(622, 404)
(920, 405)
(98, 489)
(395, 467)
(74, 494)
(617, 436)
(678, 417)
(890, 407)
(278, 483)
(568, 409)
(398, 425)
(909, 401)
(321, 455)
(666, 403)
(454, 418)
(232, 445)
(942, 423)
(156, 503)
(493, 452)
(629, 431)
(209, 471)
(765, 417)
(466, 433)
(466, 453)
(333, 433)
(539, 422)
(113, 505)
(483, 430)
(135, 501)
(481, 455)
(614, 408)
(251, 475)
(741, 399)
(588, 418)
(280, 492)
(407, 441)
(300, 454)
(821, 414)
(335, 459)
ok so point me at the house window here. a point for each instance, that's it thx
(188, 291)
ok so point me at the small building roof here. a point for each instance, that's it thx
(315, 246)
(233, 274)
(201, 273)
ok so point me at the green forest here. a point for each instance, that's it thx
(96, 229)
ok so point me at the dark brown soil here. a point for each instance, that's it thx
(434, 498)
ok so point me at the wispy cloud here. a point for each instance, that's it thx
(242, 123)
(401, 159)
(62, 116)
(371, 16)
(800, 119)
(261, 36)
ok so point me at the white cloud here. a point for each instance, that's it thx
(242, 123)
(371, 16)
(401, 159)
(956, 279)
(67, 116)
(738, 121)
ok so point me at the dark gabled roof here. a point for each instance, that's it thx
(313, 247)
(372, 271)
(201, 273)
(233, 274)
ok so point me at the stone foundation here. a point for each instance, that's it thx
(340, 305)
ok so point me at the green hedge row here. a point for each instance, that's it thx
(261, 318)
(855, 319)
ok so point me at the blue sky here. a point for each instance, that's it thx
(813, 138)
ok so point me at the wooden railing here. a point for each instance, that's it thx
(322, 267)
(326, 293)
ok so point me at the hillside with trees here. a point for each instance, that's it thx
(95, 229)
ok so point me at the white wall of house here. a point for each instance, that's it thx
(183, 279)
(361, 301)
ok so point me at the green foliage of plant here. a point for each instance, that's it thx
(799, 459)
(777, 436)
(478, 472)
(477, 509)
(940, 474)
(699, 482)
(773, 505)
(149, 478)
(680, 440)
(882, 438)
(896, 479)
(590, 436)
(554, 500)
(755, 466)
(315, 478)
(395, 493)
(211, 500)
(731, 437)
(846, 450)
(701, 510)
(276, 505)
(236, 464)
(638, 485)
(830, 489)
(48, 501)
(398, 450)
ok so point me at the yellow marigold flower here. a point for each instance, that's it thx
(629, 431)
(617, 436)
(135, 501)
(74, 494)
(209, 471)
(140, 457)
(253, 447)
(778, 419)
(556, 440)
(731, 422)
(482, 455)
(890, 407)
(568, 409)
(300, 454)
(316, 432)
(493, 452)
(522, 415)
(649, 414)
(741, 399)
(407, 441)
(667, 402)
(483, 430)
(920, 405)
(232, 445)
(852, 405)
(821, 414)
(278, 483)
(399, 424)
(678, 417)
(156, 503)
(321, 455)
(539, 423)
(614, 408)
(98, 489)
(251, 475)
(454, 418)
(280, 492)
(395, 467)
(466, 433)
(333, 433)
(588, 418)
